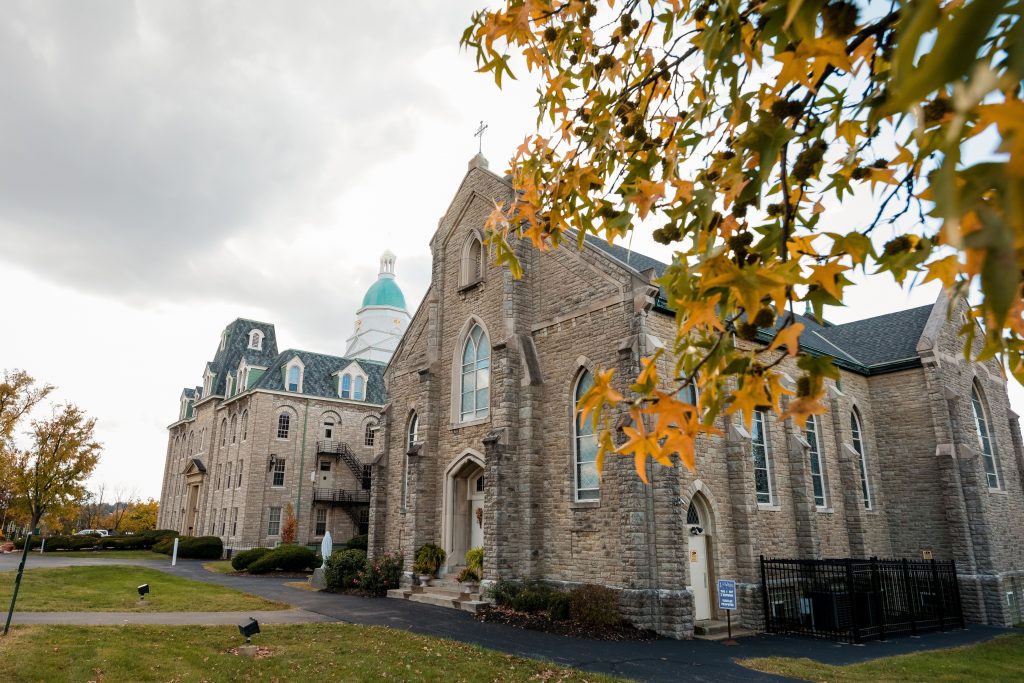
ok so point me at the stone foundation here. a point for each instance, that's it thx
(668, 613)
(994, 599)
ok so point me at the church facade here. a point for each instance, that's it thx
(919, 454)
(271, 433)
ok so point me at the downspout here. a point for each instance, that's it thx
(302, 460)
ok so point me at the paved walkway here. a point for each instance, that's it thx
(660, 660)
(284, 616)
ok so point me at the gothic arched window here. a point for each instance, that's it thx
(858, 445)
(984, 428)
(476, 376)
(472, 261)
(759, 452)
(586, 483)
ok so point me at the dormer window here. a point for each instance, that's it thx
(208, 382)
(293, 376)
(229, 386)
(352, 383)
(357, 394)
(256, 340)
(346, 386)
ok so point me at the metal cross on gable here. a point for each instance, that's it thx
(480, 134)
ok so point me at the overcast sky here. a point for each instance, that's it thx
(166, 167)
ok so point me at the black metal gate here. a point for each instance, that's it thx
(856, 600)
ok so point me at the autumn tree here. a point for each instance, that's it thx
(51, 474)
(140, 516)
(19, 394)
(289, 525)
(737, 130)
(124, 498)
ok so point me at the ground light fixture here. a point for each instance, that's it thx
(248, 629)
(143, 589)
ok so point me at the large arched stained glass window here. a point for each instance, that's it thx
(476, 376)
(585, 480)
(984, 427)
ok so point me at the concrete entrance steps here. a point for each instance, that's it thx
(443, 593)
(715, 629)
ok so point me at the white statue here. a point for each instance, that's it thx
(326, 546)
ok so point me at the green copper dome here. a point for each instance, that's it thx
(384, 292)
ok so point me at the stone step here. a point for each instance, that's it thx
(433, 599)
(471, 602)
(718, 630)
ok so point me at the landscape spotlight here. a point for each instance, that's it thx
(143, 589)
(249, 629)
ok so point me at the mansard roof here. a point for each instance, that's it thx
(318, 374)
(236, 347)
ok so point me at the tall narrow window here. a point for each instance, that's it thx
(223, 520)
(414, 431)
(224, 432)
(759, 452)
(293, 378)
(586, 482)
(321, 521)
(274, 524)
(227, 478)
(245, 425)
(984, 428)
(234, 428)
(346, 386)
(412, 436)
(368, 436)
(239, 484)
(472, 261)
(328, 429)
(278, 473)
(817, 471)
(476, 375)
(358, 393)
(284, 422)
(858, 445)
(234, 521)
(688, 394)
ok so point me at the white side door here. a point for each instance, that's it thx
(699, 577)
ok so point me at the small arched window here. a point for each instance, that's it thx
(856, 434)
(293, 378)
(245, 425)
(412, 436)
(472, 261)
(346, 386)
(984, 429)
(369, 434)
(284, 423)
(586, 482)
(224, 432)
(256, 340)
(359, 385)
(476, 376)
(414, 431)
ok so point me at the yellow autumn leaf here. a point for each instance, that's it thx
(789, 337)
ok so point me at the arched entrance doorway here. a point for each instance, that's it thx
(464, 508)
(701, 570)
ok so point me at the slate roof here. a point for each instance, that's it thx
(870, 346)
(237, 346)
(317, 374)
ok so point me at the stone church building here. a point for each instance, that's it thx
(267, 430)
(919, 454)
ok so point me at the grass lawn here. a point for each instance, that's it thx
(106, 554)
(306, 652)
(112, 588)
(220, 567)
(1000, 659)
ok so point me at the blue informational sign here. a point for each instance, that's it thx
(726, 594)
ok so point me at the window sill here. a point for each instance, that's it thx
(470, 423)
(997, 491)
(470, 286)
(769, 507)
(825, 510)
(584, 504)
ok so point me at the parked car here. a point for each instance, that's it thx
(88, 532)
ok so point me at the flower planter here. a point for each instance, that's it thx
(424, 579)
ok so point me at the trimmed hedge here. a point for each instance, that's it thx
(288, 558)
(125, 543)
(343, 567)
(242, 560)
(60, 542)
(195, 547)
(358, 543)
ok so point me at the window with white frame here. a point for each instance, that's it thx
(321, 521)
(256, 340)
(759, 452)
(284, 423)
(274, 522)
(476, 376)
(984, 429)
(346, 386)
(856, 435)
(586, 483)
(229, 386)
(357, 391)
(294, 377)
(278, 472)
(818, 481)
(328, 429)
(369, 434)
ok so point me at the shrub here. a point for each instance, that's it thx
(343, 568)
(125, 543)
(467, 575)
(430, 557)
(558, 606)
(164, 545)
(534, 597)
(154, 535)
(504, 591)
(242, 560)
(594, 606)
(288, 558)
(80, 542)
(475, 559)
(198, 547)
(358, 543)
(381, 575)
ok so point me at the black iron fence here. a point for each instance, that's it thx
(856, 600)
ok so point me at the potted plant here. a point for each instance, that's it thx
(468, 579)
(475, 560)
(430, 557)
(422, 572)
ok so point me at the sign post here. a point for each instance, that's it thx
(727, 601)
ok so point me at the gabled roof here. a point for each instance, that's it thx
(317, 374)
